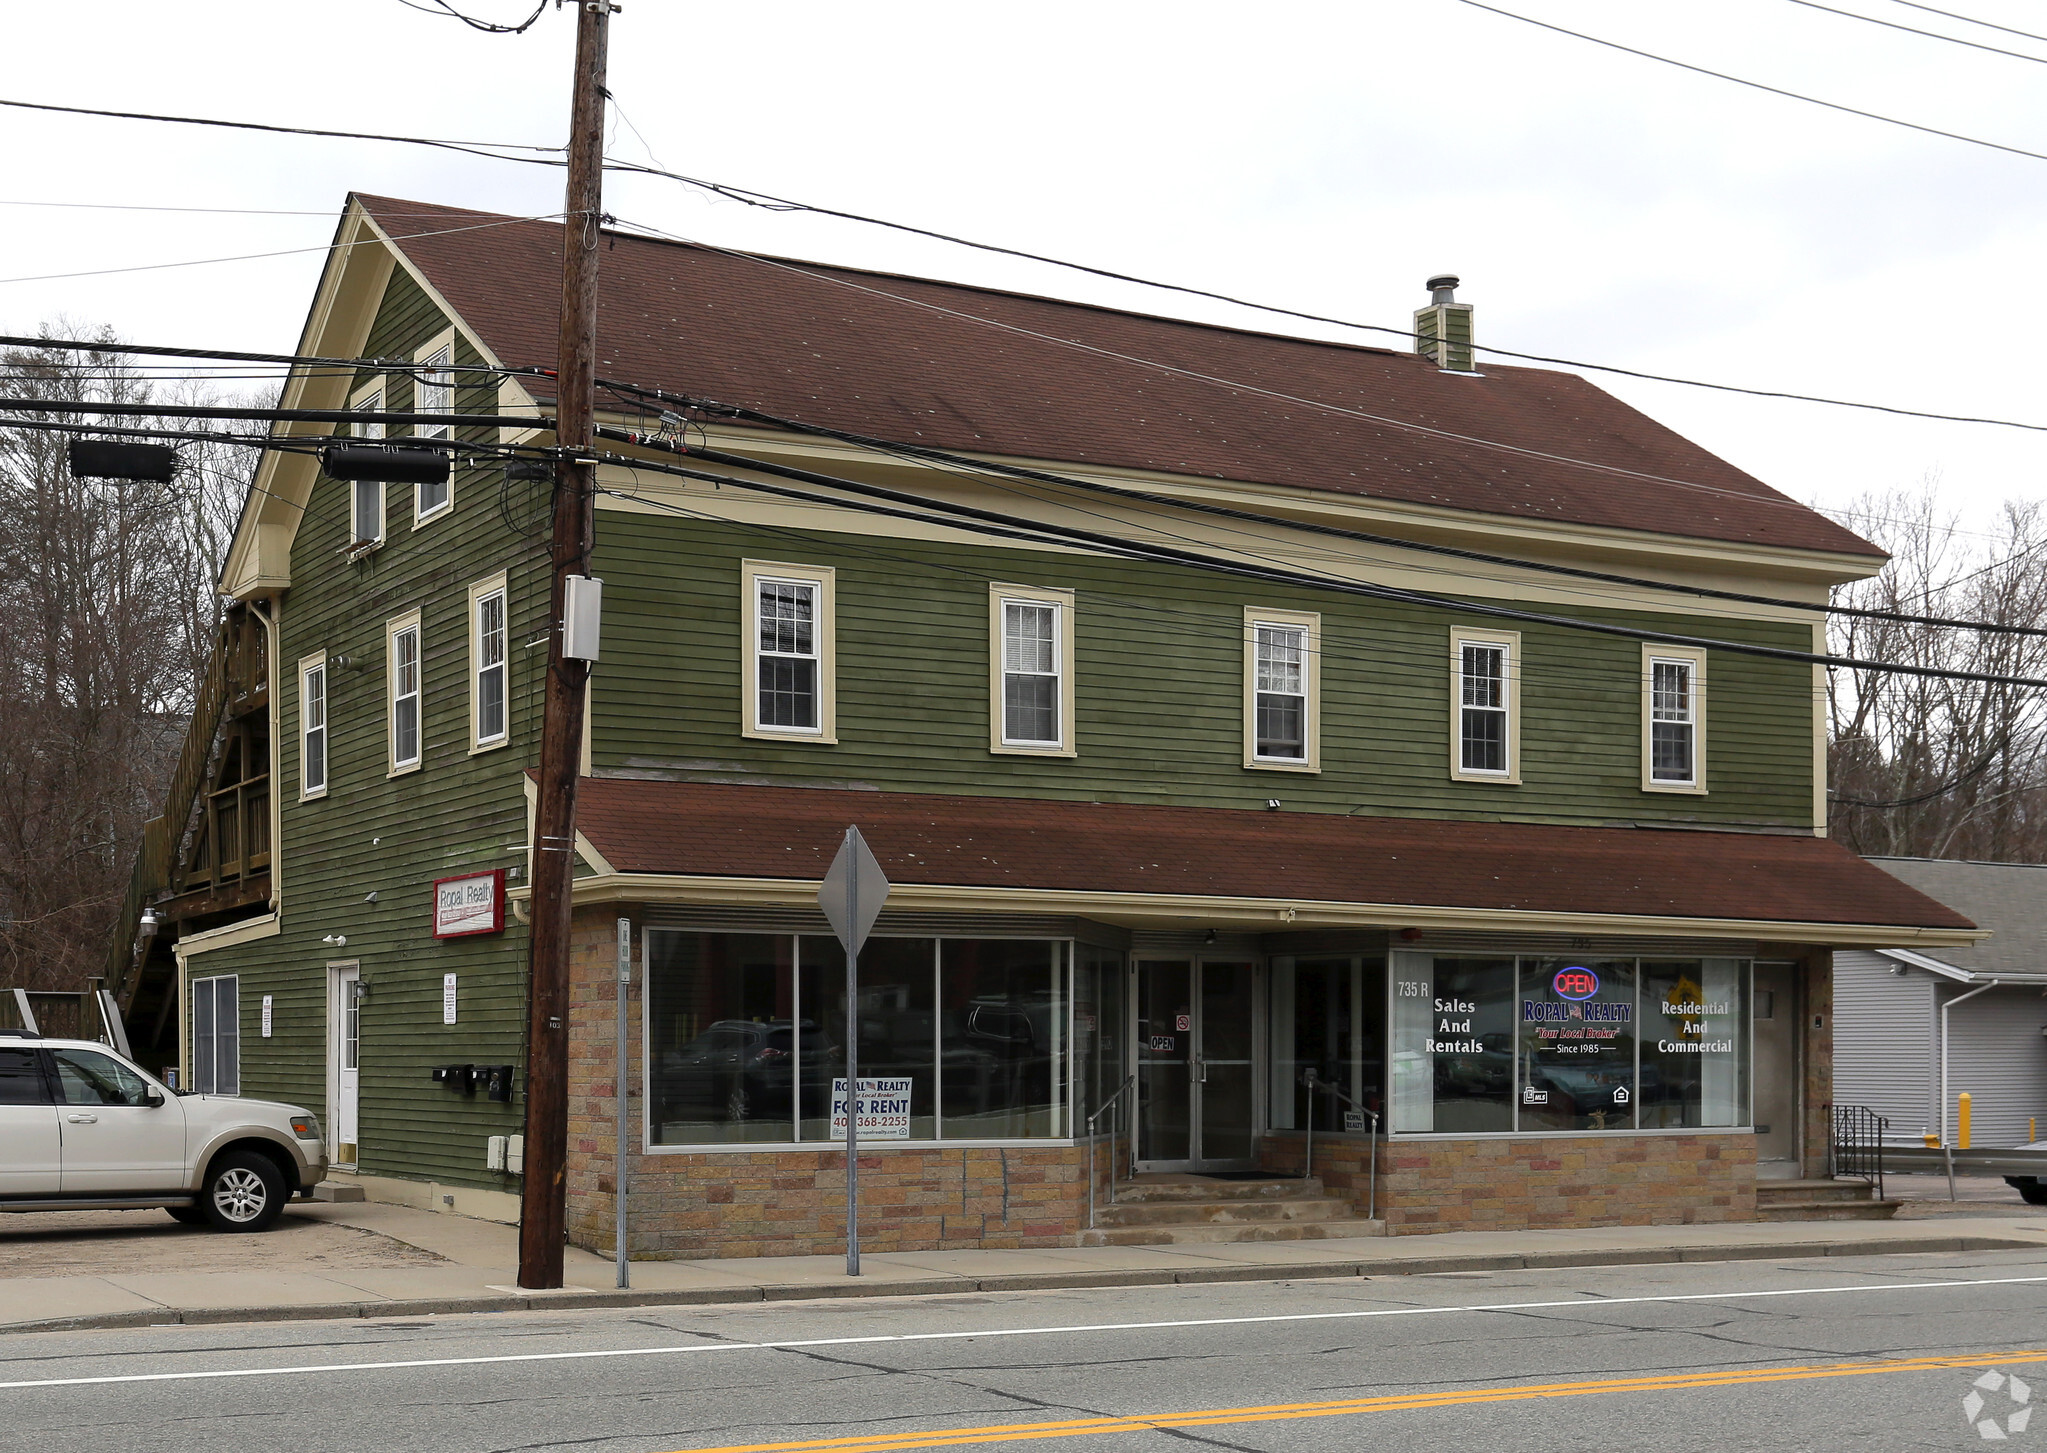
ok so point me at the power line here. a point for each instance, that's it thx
(1757, 85)
(229, 355)
(1969, 20)
(1100, 543)
(488, 27)
(770, 202)
(493, 149)
(317, 416)
(1913, 30)
(926, 454)
(282, 252)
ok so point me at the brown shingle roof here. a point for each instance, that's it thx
(839, 347)
(719, 830)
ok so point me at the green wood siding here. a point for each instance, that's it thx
(1159, 683)
(393, 836)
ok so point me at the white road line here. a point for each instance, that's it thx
(1902, 1286)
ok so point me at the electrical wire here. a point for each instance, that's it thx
(1757, 85)
(283, 252)
(488, 27)
(768, 202)
(927, 455)
(1969, 20)
(493, 149)
(1016, 526)
(382, 365)
(1913, 30)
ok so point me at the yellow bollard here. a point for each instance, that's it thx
(2032, 1128)
(1932, 1140)
(1962, 1123)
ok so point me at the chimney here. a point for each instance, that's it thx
(1443, 329)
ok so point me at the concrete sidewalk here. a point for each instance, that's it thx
(478, 1259)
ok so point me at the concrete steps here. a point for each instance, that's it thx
(1180, 1210)
(1828, 1200)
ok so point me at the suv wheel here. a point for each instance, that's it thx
(243, 1192)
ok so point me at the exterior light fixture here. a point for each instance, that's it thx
(336, 940)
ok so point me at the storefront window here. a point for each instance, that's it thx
(1577, 1028)
(1453, 1026)
(746, 1034)
(1580, 1045)
(1694, 1051)
(1328, 1015)
(722, 1031)
(1098, 1040)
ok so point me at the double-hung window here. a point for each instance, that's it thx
(1282, 680)
(217, 1036)
(1032, 647)
(313, 726)
(401, 650)
(433, 392)
(366, 500)
(786, 647)
(1485, 706)
(1673, 719)
(489, 665)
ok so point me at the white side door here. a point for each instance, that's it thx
(344, 1058)
(30, 1147)
(115, 1140)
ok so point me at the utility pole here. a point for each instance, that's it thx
(542, 1214)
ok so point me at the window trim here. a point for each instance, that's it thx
(211, 986)
(370, 394)
(1695, 657)
(1063, 599)
(317, 661)
(825, 579)
(393, 628)
(1311, 687)
(1509, 641)
(444, 339)
(489, 585)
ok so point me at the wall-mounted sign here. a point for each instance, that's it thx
(884, 1109)
(471, 904)
(266, 1016)
(447, 998)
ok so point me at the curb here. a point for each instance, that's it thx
(1017, 1282)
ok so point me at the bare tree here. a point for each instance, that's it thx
(1940, 768)
(107, 619)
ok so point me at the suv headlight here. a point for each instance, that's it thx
(306, 1127)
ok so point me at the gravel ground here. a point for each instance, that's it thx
(98, 1243)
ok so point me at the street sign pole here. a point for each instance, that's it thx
(851, 895)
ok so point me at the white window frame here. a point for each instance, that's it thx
(1695, 658)
(824, 641)
(446, 340)
(206, 1065)
(1309, 624)
(395, 630)
(478, 593)
(1510, 643)
(1061, 600)
(369, 398)
(308, 666)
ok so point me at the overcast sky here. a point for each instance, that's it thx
(1325, 157)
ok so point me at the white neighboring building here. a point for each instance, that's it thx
(1887, 1011)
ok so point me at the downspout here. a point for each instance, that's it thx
(276, 751)
(1958, 999)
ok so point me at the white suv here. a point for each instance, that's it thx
(81, 1128)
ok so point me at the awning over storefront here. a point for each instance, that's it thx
(752, 845)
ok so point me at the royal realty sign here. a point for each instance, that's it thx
(471, 904)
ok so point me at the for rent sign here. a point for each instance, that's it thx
(471, 904)
(884, 1109)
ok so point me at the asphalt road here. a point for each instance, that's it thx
(1862, 1353)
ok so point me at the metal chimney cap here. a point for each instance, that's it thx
(1443, 280)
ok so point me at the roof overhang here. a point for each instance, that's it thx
(1943, 970)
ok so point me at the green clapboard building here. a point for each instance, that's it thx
(1282, 751)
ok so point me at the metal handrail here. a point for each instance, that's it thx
(1855, 1145)
(1315, 1082)
(1100, 1110)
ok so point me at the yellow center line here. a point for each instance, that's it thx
(1393, 1403)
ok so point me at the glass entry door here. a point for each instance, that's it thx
(1196, 1080)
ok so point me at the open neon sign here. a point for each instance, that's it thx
(1575, 983)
